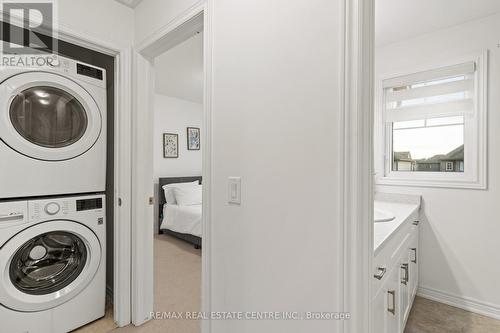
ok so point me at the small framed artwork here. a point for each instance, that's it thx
(193, 138)
(170, 145)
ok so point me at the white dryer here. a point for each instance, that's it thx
(52, 263)
(52, 129)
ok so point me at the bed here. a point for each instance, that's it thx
(183, 222)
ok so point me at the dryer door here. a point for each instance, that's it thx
(47, 264)
(47, 116)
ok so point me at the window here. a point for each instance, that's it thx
(435, 126)
(428, 145)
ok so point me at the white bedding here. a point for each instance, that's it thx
(183, 219)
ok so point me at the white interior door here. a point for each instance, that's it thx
(142, 192)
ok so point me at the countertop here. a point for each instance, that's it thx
(401, 206)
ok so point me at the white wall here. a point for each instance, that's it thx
(276, 118)
(461, 228)
(152, 15)
(107, 20)
(400, 20)
(180, 70)
(173, 115)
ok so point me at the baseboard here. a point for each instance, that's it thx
(465, 303)
(109, 295)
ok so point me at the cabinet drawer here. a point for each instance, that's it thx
(386, 304)
(389, 255)
(415, 221)
(388, 258)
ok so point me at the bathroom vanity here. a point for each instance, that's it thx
(395, 264)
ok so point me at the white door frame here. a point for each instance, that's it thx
(178, 30)
(358, 64)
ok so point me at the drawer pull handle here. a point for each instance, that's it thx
(11, 217)
(381, 273)
(414, 249)
(406, 277)
(393, 296)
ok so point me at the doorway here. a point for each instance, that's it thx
(177, 171)
(171, 144)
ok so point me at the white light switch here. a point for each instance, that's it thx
(234, 190)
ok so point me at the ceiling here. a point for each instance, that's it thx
(397, 20)
(130, 3)
(179, 71)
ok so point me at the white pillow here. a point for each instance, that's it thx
(188, 196)
(169, 190)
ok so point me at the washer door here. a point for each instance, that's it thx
(47, 116)
(47, 264)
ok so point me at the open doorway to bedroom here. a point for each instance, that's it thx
(177, 170)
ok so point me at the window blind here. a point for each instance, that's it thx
(444, 92)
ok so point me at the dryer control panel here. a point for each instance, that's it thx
(81, 70)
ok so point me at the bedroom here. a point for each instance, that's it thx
(177, 180)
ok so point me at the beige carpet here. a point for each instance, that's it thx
(177, 286)
(432, 317)
(177, 289)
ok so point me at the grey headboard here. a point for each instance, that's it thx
(161, 194)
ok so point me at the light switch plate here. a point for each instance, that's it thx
(234, 190)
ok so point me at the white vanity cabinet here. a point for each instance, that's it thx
(395, 278)
(414, 262)
(386, 317)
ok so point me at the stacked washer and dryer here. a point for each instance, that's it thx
(52, 202)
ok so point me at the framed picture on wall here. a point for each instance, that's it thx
(193, 138)
(170, 145)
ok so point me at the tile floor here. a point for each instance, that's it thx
(432, 317)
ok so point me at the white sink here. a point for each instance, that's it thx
(382, 216)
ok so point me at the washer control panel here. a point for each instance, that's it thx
(88, 204)
(13, 213)
(62, 207)
(52, 208)
(49, 208)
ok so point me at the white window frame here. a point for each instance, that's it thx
(475, 137)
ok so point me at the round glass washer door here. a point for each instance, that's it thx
(47, 116)
(47, 264)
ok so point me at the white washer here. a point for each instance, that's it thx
(52, 263)
(52, 129)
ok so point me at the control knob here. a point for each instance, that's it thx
(52, 208)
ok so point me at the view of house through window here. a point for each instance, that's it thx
(435, 145)
(427, 116)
